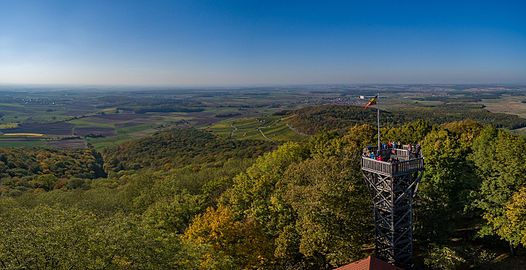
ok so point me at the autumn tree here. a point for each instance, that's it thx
(235, 243)
(514, 230)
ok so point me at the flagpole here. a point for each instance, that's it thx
(378, 121)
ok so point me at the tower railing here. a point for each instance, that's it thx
(392, 168)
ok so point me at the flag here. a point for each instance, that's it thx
(371, 102)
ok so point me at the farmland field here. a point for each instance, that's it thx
(94, 131)
(20, 140)
(22, 143)
(122, 135)
(507, 104)
(23, 134)
(59, 128)
(68, 144)
(108, 118)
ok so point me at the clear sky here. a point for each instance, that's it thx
(265, 42)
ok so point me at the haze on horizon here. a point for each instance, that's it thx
(210, 42)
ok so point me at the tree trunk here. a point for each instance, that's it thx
(512, 250)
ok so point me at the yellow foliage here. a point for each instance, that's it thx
(515, 229)
(241, 239)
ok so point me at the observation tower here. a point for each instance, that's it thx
(392, 180)
(392, 185)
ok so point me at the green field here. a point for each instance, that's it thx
(85, 122)
(271, 128)
(123, 135)
(31, 143)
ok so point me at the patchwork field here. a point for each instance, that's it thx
(106, 118)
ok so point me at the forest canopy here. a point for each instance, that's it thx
(314, 119)
(186, 199)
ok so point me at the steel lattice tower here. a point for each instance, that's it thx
(392, 186)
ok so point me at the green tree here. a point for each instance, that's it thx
(311, 200)
(45, 181)
(443, 258)
(52, 238)
(445, 187)
(252, 190)
(413, 132)
(466, 130)
(174, 214)
(44, 238)
(332, 211)
(499, 156)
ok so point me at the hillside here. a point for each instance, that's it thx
(46, 169)
(311, 120)
(187, 199)
(178, 147)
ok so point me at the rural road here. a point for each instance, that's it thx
(263, 134)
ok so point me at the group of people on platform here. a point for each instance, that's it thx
(388, 151)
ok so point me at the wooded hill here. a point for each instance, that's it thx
(311, 120)
(302, 205)
(46, 169)
(179, 147)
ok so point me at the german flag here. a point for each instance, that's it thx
(371, 102)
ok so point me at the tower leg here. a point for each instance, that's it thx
(392, 203)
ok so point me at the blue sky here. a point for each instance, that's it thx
(261, 42)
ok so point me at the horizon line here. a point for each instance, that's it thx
(248, 85)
